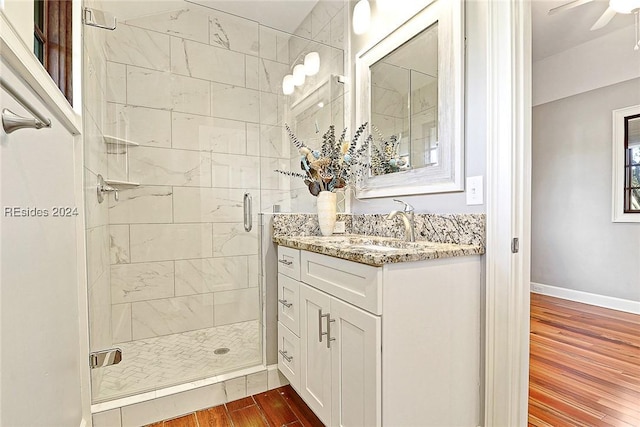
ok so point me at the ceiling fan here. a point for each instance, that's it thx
(615, 6)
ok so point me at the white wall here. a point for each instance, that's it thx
(44, 358)
(475, 101)
(574, 243)
(20, 14)
(575, 246)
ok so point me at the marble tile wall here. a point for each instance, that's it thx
(320, 102)
(183, 84)
(201, 92)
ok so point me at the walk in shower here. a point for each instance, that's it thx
(184, 116)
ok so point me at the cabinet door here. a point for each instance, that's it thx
(315, 368)
(356, 366)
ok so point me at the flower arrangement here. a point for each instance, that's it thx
(385, 157)
(338, 163)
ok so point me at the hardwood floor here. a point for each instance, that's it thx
(275, 408)
(584, 371)
(584, 365)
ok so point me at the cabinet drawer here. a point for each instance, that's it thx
(358, 284)
(289, 262)
(289, 303)
(289, 355)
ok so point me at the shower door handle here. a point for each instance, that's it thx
(248, 220)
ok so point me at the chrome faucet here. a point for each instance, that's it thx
(407, 218)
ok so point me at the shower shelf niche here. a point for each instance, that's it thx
(121, 185)
(114, 140)
(106, 186)
(118, 146)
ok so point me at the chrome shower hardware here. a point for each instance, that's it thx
(103, 188)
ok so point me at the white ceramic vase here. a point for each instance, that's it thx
(327, 212)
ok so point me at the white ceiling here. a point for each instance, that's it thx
(559, 32)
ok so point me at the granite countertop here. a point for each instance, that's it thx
(376, 251)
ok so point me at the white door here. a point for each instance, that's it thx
(315, 369)
(356, 372)
(40, 335)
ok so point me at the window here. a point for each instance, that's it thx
(626, 164)
(632, 164)
(52, 41)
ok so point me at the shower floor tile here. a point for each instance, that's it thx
(174, 359)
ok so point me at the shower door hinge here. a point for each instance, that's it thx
(103, 358)
(515, 245)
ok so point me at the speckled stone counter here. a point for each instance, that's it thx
(376, 251)
(376, 241)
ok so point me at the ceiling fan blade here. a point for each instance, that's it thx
(570, 5)
(604, 19)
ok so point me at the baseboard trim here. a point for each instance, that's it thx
(619, 304)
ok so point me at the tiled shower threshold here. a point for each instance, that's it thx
(161, 366)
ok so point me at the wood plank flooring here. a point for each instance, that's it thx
(584, 371)
(275, 408)
(584, 365)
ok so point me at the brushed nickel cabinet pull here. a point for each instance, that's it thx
(285, 303)
(329, 322)
(284, 354)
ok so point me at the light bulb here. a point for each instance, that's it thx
(624, 6)
(312, 63)
(361, 17)
(384, 5)
(287, 85)
(298, 75)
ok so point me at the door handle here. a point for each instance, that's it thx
(320, 316)
(328, 333)
(285, 303)
(248, 219)
(284, 354)
(329, 322)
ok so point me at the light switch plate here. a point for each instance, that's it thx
(475, 194)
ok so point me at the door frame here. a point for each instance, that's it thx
(508, 212)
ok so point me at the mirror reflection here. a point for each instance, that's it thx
(404, 106)
(632, 164)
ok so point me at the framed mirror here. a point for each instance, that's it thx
(625, 154)
(410, 89)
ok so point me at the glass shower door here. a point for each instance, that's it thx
(173, 273)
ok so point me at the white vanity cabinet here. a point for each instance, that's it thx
(396, 345)
(340, 360)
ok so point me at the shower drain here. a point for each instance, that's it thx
(222, 350)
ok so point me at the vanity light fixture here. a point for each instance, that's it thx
(298, 75)
(361, 17)
(309, 67)
(287, 85)
(624, 6)
(312, 63)
(385, 5)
